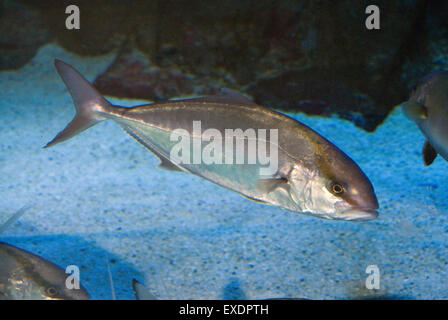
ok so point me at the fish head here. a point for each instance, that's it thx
(335, 189)
(428, 97)
(50, 281)
(31, 277)
(53, 284)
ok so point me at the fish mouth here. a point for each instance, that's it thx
(359, 214)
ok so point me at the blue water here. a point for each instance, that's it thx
(99, 199)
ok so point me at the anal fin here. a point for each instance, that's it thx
(429, 153)
(167, 165)
(164, 163)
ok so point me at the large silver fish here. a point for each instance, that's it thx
(312, 175)
(25, 276)
(428, 108)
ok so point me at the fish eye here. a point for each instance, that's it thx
(337, 188)
(51, 291)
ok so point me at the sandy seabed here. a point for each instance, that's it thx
(99, 197)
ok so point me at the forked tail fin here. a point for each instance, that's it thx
(88, 103)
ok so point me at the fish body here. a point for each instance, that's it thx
(428, 108)
(308, 174)
(25, 276)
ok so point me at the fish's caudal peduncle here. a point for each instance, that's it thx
(231, 141)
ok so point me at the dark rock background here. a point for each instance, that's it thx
(312, 56)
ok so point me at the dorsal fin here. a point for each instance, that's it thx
(226, 96)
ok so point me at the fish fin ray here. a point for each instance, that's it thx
(164, 163)
(255, 200)
(111, 280)
(13, 219)
(429, 154)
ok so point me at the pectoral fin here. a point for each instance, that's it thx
(429, 154)
(269, 185)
